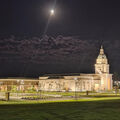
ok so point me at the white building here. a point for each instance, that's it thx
(100, 80)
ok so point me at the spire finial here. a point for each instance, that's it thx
(101, 50)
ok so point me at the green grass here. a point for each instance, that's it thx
(78, 93)
(107, 108)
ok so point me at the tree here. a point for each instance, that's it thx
(116, 79)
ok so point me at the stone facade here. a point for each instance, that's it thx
(100, 81)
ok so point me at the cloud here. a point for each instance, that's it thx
(59, 50)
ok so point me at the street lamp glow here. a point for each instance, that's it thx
(52, 12)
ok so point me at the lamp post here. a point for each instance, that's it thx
(22, 85)
(1, 85)
(39, 90)
(18, 86)
(75, 87)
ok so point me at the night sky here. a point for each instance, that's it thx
(72, 41)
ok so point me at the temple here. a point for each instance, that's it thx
(101, 80)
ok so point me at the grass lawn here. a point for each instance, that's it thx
(84, 109)
(81, 93)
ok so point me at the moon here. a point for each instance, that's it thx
(52, 12)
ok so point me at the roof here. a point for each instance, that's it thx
(19, 78)
(64, 74)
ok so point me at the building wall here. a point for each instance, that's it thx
(18, 84)
(107, 81)
(84, 82)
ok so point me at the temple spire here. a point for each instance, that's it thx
(101, 65)
(101, 50)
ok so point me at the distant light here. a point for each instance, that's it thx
(52, 12)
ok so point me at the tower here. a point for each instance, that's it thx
(101, 65)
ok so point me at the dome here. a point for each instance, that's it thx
(102, 56)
